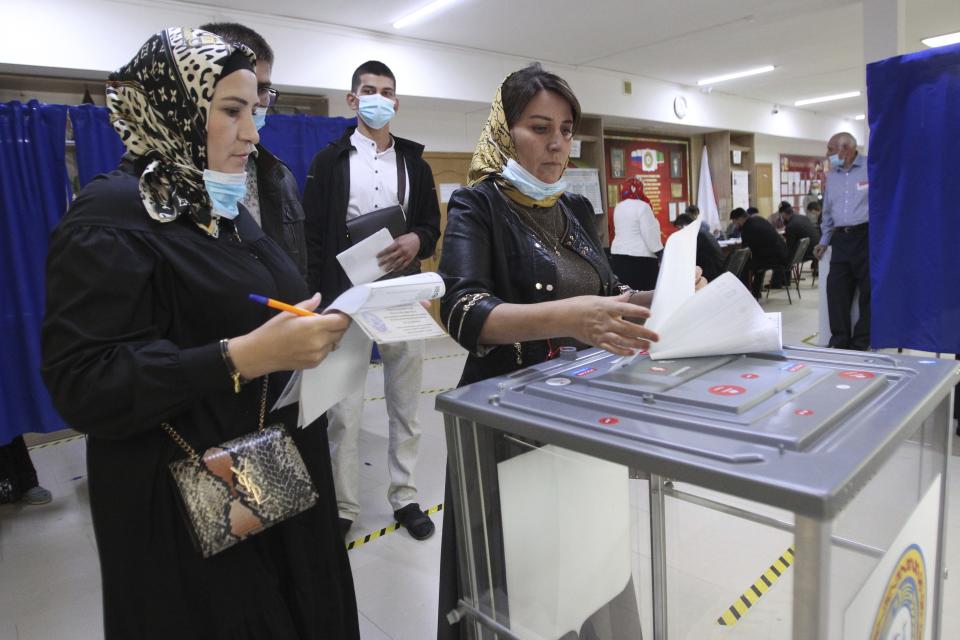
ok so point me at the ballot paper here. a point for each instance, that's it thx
(385, 312)
(360, 263)
(722, 318)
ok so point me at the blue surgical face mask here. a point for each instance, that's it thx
(835, 160)
(529, 184)
(225, 191)
(260, 117)
(376, 110)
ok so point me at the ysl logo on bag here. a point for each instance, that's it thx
(250, 488)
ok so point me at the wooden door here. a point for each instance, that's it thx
(449, 169)
(765, 189)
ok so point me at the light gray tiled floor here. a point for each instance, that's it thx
(50, 583)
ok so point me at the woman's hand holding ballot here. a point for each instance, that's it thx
(291, 340)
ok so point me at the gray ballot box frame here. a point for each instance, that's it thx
(807, 436)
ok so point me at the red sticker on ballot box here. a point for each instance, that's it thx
(804, 412)
(727, 390)
(857, 375)
(609, 420)
(749, 376)
(658, 369)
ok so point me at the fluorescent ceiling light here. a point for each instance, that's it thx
(421, 13)
(942, 41)
(860, 117)
(735, 75)
(838, 96)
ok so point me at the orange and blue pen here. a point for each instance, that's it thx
(282, 306)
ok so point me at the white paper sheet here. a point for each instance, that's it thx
(676, 280)
(720, 319)
(389, 293)
(359, 262)
(399, 324)
(341, 372)
(566, 538)
(447, 189)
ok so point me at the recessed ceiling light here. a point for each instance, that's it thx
(838, 96)
(860, 117)
(421, 13)
(735, 75)
(942, 41)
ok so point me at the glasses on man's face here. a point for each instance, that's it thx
(269, 94)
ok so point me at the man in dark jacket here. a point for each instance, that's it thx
(710, 256)
(366, 170)
(272, 198)
(767, 249)
(797, 227)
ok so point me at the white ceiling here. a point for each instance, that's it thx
(816, 45)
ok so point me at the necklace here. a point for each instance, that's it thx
(549, 239)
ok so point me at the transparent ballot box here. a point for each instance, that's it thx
(798, 494)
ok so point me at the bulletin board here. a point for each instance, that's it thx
(663, 165)
(797, 175)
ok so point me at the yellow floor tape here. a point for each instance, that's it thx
(425, 392)
(370, 537)
(763, 584)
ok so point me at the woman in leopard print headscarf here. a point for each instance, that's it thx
(148, 322)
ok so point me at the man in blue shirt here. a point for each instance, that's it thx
(844, 224)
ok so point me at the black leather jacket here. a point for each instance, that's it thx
(490, 256)
(280, 212)
(325, 200)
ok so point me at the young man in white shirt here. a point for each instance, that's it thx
(363, 172)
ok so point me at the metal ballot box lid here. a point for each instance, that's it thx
(803, 429)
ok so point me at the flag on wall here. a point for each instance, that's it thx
(706, 200)
(648, 159)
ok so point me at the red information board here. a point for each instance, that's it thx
(662, 165)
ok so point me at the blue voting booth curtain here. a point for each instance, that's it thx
(295, 139)
(34, 194)
(98, 145)
(914, 110)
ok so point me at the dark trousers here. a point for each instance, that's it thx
(758, 270)
(17, 474)
(849, 271)
(637, 273)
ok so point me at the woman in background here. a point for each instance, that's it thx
(636, 246)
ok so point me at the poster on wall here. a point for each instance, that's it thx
(662, 165)
(802, 178)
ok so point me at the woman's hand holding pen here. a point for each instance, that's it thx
(288, 341)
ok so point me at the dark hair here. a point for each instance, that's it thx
(785, 207)
(683, 220)
(814, 204)
(738, 213)
(521, 86)
(692, 209)
(238, 34)
(751, 211)
(373, 67)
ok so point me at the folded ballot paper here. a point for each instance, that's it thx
(386, 312)
(722, 318)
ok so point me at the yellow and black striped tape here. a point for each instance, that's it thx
(425, 392)
(749, 597)
(809, 340)
(56, 442)
(446, 357)
(370, 537)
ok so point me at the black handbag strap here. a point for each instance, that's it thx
(401, 177)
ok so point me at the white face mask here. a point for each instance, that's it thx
(527, 183)
(225, 191)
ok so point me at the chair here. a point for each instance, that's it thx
(736, 261)
(793, 266)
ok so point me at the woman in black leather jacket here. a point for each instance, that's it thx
(524, 270)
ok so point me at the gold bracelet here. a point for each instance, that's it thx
(231, 368)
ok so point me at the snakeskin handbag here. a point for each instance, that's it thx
(241, 487)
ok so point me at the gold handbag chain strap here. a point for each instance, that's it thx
(191, 452)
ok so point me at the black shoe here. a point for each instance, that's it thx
(345, 525)
(415, 521)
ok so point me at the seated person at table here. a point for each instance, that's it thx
(710, 256)
(767, 249)
(797, 227)
(814, 209)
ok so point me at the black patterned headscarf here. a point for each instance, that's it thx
(159, 103)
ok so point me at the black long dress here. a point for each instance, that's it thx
(135, 310)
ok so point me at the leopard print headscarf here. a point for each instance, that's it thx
(158, 103)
